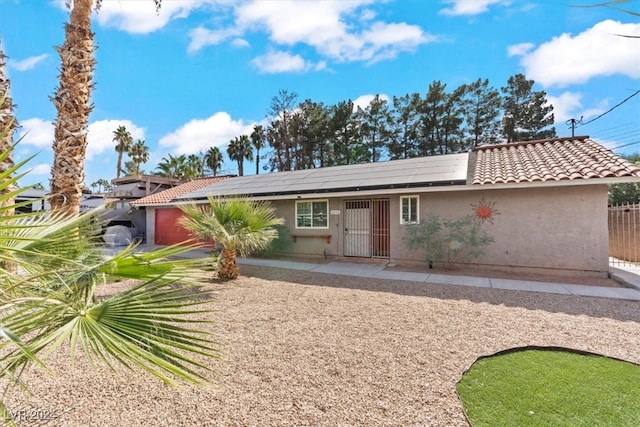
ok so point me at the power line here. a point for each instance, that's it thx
(620, 127)
(612, 108)
(624, 145)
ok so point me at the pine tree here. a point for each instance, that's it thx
(482, 112)
(527, 113)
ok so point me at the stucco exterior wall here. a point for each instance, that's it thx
(557, 229)
(311, 242)
(563, 229)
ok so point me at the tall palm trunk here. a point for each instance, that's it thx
(7, 122)
(7, 127)
(72, 102)
(228, 265)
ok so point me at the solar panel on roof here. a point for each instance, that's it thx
(423, 170)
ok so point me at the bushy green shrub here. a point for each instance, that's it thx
(447, 240)
(280, 243)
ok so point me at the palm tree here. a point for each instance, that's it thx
(7, 124)
(213, 159)
(7, 127)
(139, 154)
(258, 139)
(124, 142)
(131, 169)
(239, 149)
(72, 102)
(108, 186)
(195, 167)
(52, 302)
(103, 184)
(239, 225)
(173, 167)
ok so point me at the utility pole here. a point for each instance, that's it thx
(572, 123)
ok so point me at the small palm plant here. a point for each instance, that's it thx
(239, 225)
(49, 301)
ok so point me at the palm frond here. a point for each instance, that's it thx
(161, 264)
(50, 302)
(237, 223)
(138, 327)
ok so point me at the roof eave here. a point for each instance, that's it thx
(559, 183)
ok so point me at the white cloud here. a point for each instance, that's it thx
(27, 63)
(363, 101)
(140, 17)
(238, 42)
(100, 136)
(520, 49)
(201, 37)
(197, 134)
(598, 51)
(280, 62)
(40, 169)
(466, 7)
(385, 41)
(39, 133)
(36, 132)
(569, 105)
(565, 106)
(338, 30)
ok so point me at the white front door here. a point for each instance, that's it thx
(357, 228)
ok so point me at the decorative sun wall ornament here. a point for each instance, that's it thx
(485, 211)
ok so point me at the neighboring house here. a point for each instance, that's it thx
(543, 202)
(162, 227)
(37, 199)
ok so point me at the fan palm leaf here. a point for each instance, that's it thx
(51, 303)
(240, 225)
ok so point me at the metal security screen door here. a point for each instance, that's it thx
(380, 230)
(366, 230)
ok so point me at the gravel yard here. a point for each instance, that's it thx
(301, 348)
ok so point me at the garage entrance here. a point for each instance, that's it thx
(168, 230)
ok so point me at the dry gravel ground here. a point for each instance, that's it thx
(302, 348)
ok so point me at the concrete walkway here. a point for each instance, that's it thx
(629, 277)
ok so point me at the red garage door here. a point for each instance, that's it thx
(168, 230)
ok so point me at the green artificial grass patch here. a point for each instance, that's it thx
(551, 387)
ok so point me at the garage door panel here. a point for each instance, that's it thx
(168, 229)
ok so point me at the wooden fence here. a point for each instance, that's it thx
(624, 234)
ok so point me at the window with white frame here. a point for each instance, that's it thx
(409, 210)
(312, 214)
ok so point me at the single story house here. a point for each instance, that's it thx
(544, 203)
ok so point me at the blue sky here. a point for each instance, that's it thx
(200, 73)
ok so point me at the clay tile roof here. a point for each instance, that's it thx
(549, 160)
(168, 195)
